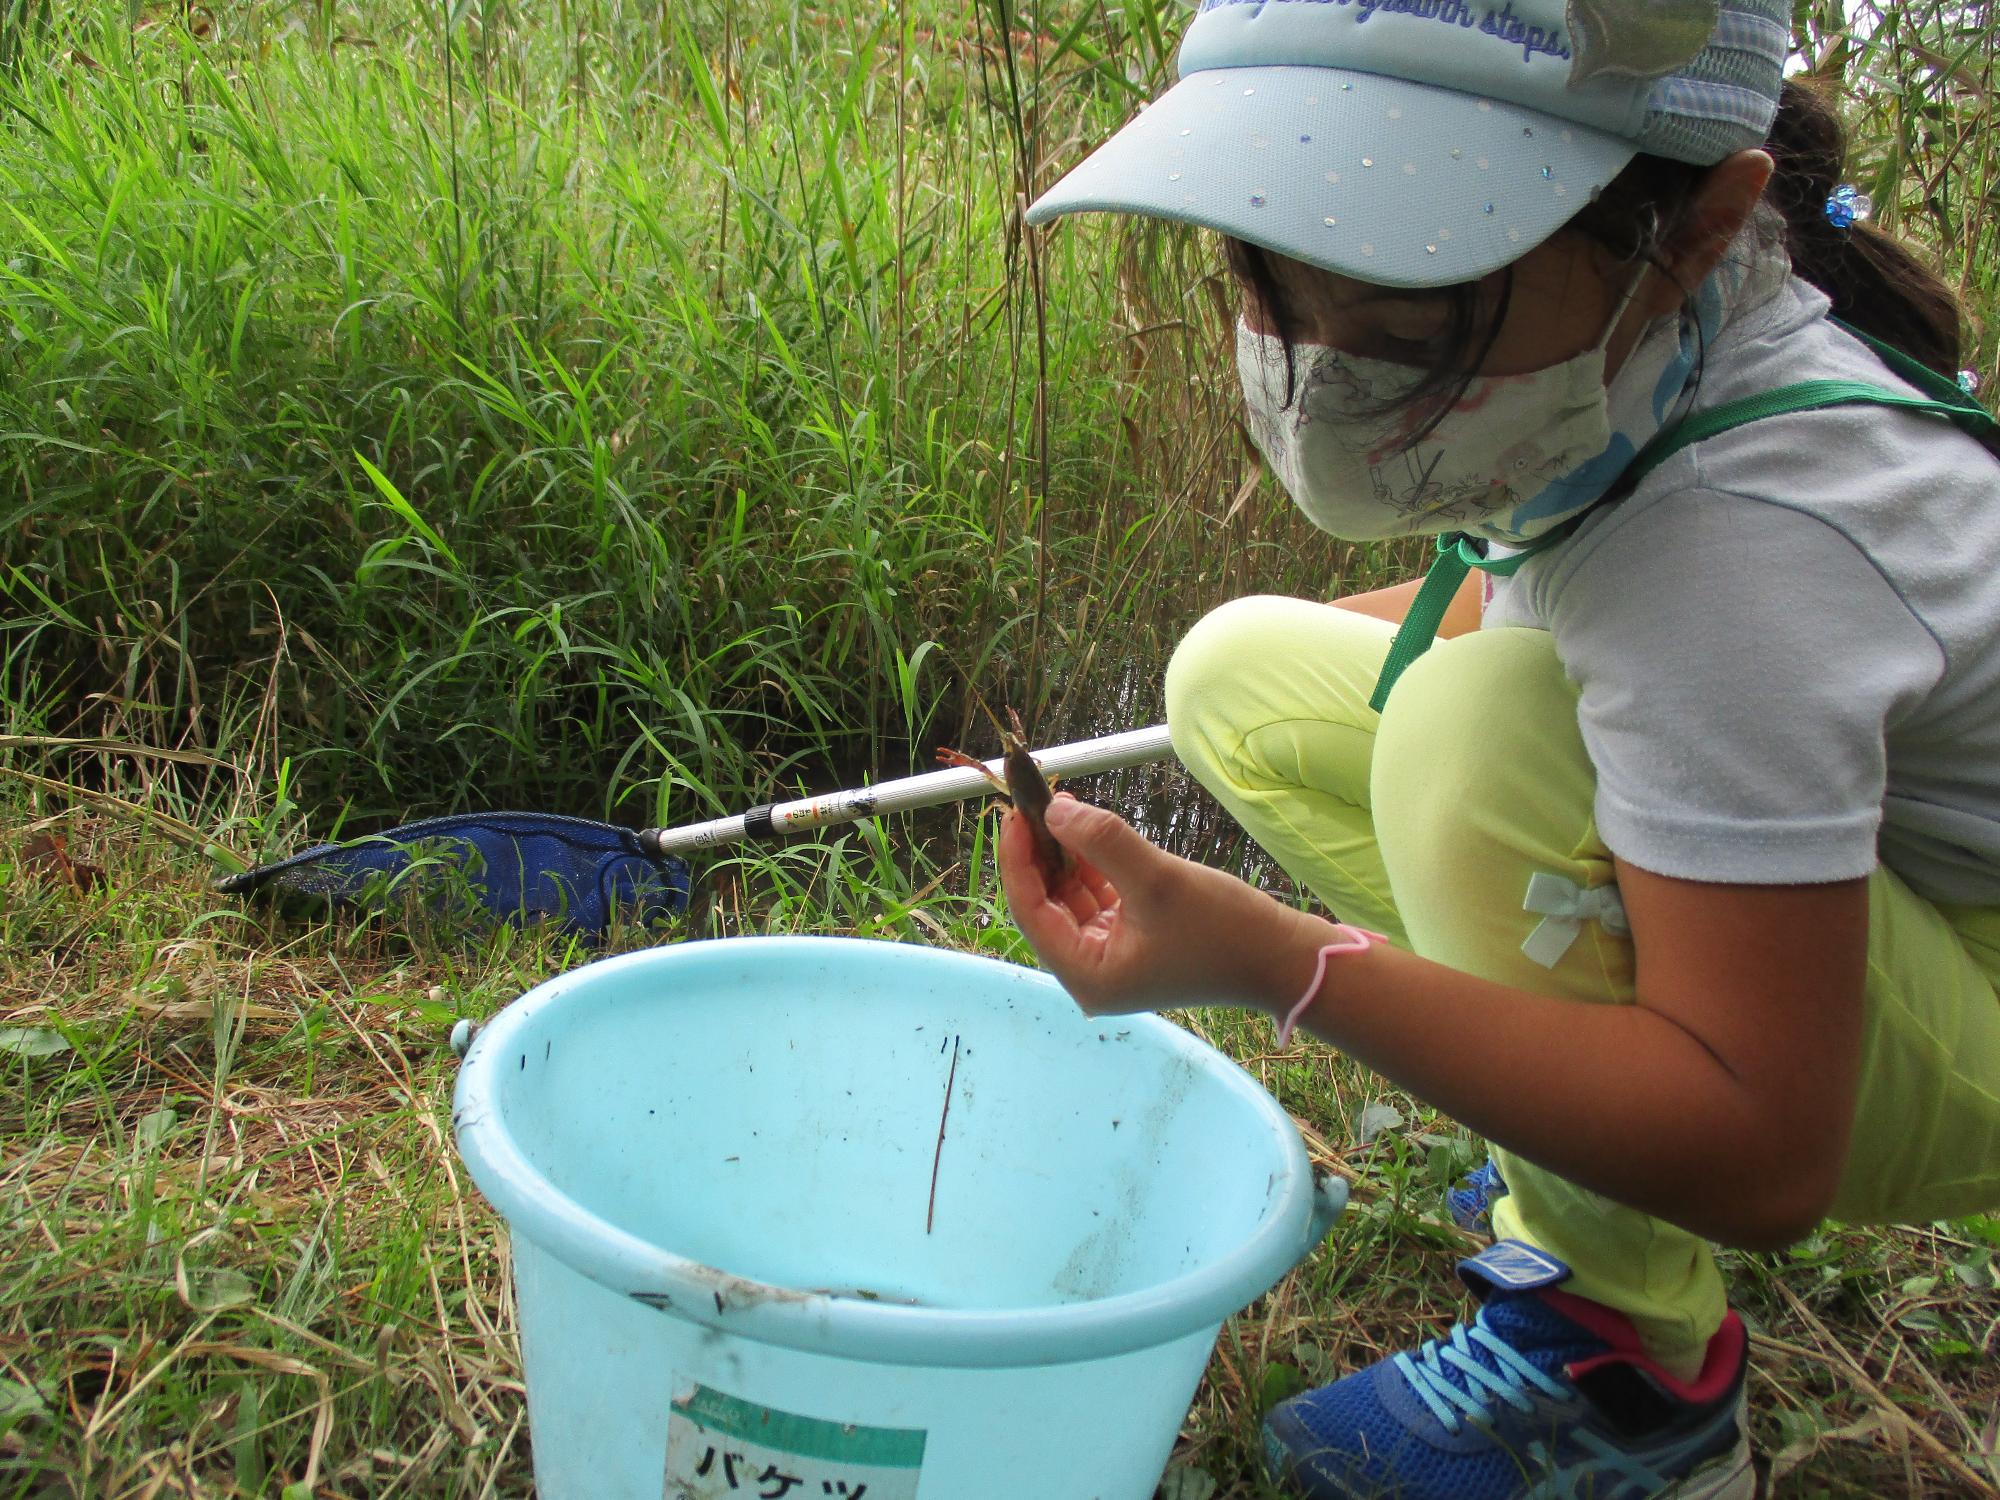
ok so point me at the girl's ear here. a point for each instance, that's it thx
(1720, 208)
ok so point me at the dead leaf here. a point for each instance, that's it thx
(1793, 1454)
(1243, 492)
(46, 856)
(202, 1010)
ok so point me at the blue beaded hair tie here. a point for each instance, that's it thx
(1847, 205)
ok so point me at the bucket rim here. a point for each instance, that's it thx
(1294, 1219)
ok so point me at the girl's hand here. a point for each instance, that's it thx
(1133, 927)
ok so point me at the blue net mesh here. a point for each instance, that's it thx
(516, 867)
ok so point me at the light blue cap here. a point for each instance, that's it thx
(1426, 142)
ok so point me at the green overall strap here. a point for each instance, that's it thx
(1810, 395)
(1458, 554)
(1456, 558)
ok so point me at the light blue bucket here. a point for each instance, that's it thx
(743, 1257)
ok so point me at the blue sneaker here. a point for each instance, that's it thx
(1470, 1203)
(1544, 1396)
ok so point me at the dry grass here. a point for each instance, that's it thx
(241, 1257)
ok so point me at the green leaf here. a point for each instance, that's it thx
(1799, 1427)
(394, 498)
(1982, 1227)
(1280, 1383)
(1375, 1120)
(32, 1041)
(1318, 1365)
(154, 1128)
(19, 1400)
(1187, 1483)
(218, 1287)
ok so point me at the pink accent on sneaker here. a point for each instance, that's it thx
(1719, 1364)
(1352, 940)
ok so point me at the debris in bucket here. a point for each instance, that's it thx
(930, 1215)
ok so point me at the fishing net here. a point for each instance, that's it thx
(515, 867)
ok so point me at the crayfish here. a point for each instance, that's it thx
(1026, 788)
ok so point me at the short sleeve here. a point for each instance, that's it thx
(1739, 664)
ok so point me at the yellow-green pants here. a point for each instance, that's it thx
(1425, 822)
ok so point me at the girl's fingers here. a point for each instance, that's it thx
(1098, 884)
(1082, 900)
(1028, 891)
(1105, 841)
(1092, 879)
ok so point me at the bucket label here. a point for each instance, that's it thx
(719, 1446)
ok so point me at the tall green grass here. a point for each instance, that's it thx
(1919, 81)
(632, 409)
(614, 408)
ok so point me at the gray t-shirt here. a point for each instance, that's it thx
(1787, 639)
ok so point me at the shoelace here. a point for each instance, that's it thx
(1482, 1185)
(1449, 1378)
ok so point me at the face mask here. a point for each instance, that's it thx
(1513, 457)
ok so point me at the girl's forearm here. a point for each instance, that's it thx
(1616, 1098)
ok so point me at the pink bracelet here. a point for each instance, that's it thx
(1352, 940)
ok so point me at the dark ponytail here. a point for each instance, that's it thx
(1876, 282)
